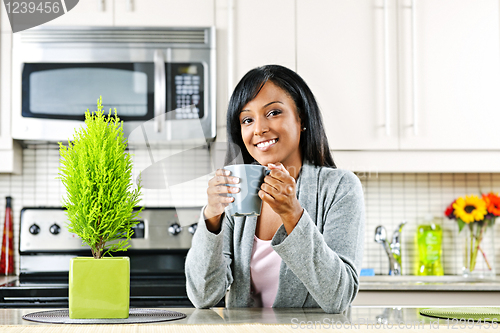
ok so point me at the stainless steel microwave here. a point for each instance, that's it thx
(160, 80)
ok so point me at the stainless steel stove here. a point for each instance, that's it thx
(157, 255)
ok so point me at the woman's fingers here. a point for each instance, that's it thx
(278, 166)
(220, 199)
(274, 182)
(217, 191)
(220, 189)
(278, 187)
(281, 176)
(278, 190)
(271, 190)
(215, 199)
(222, 177)
(284, 184)
(266, 197)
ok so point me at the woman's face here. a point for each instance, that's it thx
(270, 127)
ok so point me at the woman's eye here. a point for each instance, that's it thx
(274, 113)
(246, 120)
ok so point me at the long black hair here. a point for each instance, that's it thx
(313, 142)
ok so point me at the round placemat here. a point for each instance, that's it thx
(489, 314)
(136, 316)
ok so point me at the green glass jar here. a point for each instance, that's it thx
(429, 240)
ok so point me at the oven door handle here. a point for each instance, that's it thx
(160, 91)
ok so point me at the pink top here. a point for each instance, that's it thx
(264, 272)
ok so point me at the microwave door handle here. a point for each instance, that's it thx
(160, 90)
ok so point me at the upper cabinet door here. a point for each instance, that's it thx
(264, 33)
(450, 74)
(167, 13)
(346, 52)
(87, 12)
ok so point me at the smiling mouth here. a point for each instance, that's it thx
(266, 143)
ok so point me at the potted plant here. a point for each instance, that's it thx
(96, 171)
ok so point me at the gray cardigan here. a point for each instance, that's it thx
(321, 257)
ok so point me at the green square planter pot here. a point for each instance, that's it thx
(99, 288)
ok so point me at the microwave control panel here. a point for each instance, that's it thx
(187, 90)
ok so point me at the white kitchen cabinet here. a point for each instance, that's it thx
(389, 75)
(250, 34)
(264, 33)
(10, 151)
(185, 13)
(456, 78)
(87, 13)
(346, 51)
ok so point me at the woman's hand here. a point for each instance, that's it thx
(217, 199)
(279, 192)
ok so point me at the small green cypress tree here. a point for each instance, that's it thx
(97, 171)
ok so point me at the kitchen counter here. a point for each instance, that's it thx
(428, 283)
(418, 291)
(362, 318)
(411, 290)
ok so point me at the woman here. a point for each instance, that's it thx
(305, 249)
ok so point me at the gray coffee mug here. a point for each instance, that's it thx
(247, 201)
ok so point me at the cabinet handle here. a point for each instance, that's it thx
(130, 5)
(160, 90)
(100, 5)
(414, 66)
(386, 70)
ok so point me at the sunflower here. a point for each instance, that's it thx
(470, 209)
(492, 201)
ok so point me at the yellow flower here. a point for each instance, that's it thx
(470, 209)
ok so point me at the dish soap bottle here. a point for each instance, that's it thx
(429, 239)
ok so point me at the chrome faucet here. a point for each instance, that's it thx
(393, 249)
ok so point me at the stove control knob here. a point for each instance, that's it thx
(174, 229)
(34, 229)
(55, 229)
(192, 228)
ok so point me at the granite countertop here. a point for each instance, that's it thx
(428, 283)
(294, 317)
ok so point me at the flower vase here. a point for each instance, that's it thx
(478, 250)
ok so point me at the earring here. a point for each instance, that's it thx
(303, 128)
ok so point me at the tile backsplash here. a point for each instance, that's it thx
(389, 197)
(414, 197)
